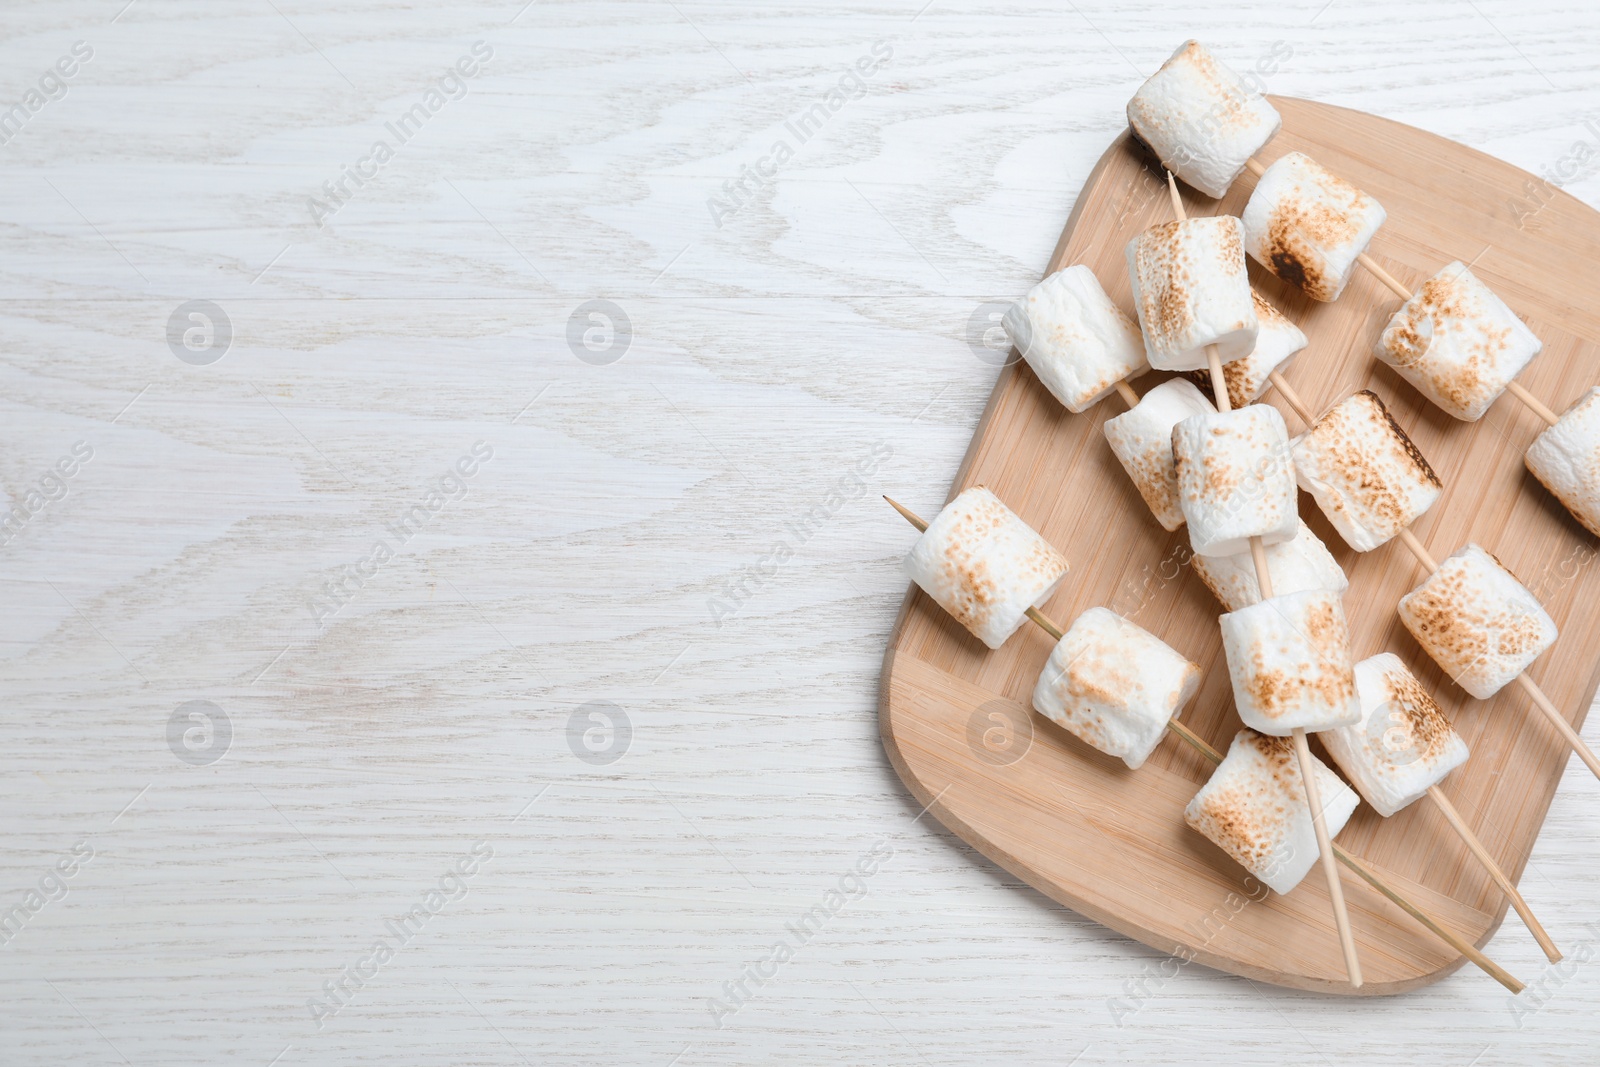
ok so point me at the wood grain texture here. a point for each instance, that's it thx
(1445, 202)
(768, 357)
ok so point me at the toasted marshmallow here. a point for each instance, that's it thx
(1307, 225)
(1457, 343)
(1289, 660)
(1190, 290)
(1477, 621)
(1566, 458)
(1200, 119)
(1254, 808)
(1235, 479)
(1114, 685)
(1076, 340)
(1297, 565)
(1403, 743)
(1366, 475)
(1141, 437)
(1277, 342)
(984, 565)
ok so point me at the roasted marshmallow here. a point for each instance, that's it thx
(1566, 458)
(1457, 343)
(1190, 290)
(1403, 743)
(1289, 660)
(1200, 119)
(1235, 479)
(1254, 808)
(1366, 475)
(1477, 621)
(1114, 685)
(1297, 565)
(984, 565)
(1141, 437)
(1307, 225)
(1076, 340)
(1277, 342)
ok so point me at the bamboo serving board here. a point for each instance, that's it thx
(1111, 843)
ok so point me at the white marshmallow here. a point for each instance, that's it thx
(1477, 621)
(1366, 475)
(1076, 340)
(1307, 225)
(1297, 565)
(984, 565)
(1566, 458)
(1191, 290)
(1141, 437)
(1254, 808)
(1457, 343)
(1235, 479)
(1200, 119)
(1289, 660)
(1114, 685)
(1277, 342)
(1403, 743)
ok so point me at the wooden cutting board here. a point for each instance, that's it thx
(1111, 843)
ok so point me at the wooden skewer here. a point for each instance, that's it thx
(1393, 284)
(1125, 391)
(1200, 745)
(1302, 748)
(1291, 397)
(1453, 817)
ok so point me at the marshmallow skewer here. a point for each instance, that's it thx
(1302, 748)
(1367, 874)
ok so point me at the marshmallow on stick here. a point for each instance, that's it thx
(1364, 472)
(1254, 808)
(1308, 226)
(1200, 119)
(1141, 438)
(1457, 343)
(984, 565)
(1235, 479)
(1566, 458)
(1079, 343)
(1278, 341)
(1114, 685)
(1366, 873)
(1401, 750)
(1296, 566)
(1191, 292)
(1289, 660)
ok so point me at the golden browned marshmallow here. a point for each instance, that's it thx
(1254, 808)
(1477, 621)
(1076, 340)
(1141, 437)
(1114, 685)
(1296, 565)
(1457, 343)
(984, 565)
(1403, 744)
(1308, 226)
(1235, 479)
(1290, 663)
(1366, 475)
(1190, 290)
(1566, 458)
(1277, 343)
(1201, 119)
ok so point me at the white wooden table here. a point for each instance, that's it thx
(566, 703)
